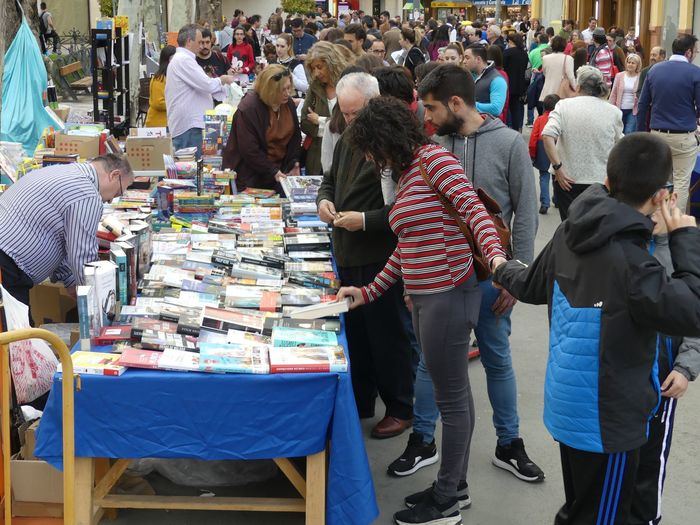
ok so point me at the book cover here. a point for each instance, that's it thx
(132, 268)
(246, 338)
(328, 325)
(103, 279)
(118, 257)
(137, 358)
(142, 324)
(317, 311)
(299, 337)
(306, 360)
(179, 360)
(96, 363)
(223, 320)
(159, 341)
(239, 359)
(111, 334)
(84, 297)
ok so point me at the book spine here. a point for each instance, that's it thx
(83, 296)
(299, 369)
(119, 258)
(187, 329)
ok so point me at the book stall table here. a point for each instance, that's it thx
(160, 414)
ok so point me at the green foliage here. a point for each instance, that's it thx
(108, 7)
(298, 6)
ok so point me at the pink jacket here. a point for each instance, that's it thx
(619, 87)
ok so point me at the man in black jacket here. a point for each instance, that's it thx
(608, 297)
(351, 199)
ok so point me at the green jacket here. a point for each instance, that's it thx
(353, 184)
(535, 56)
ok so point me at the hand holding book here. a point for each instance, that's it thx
(352, 293)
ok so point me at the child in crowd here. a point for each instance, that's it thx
(678, 362)
(608, 298)
(539, 157)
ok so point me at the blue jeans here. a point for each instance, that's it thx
(492, 332)
(189, 139)
(530, 116)
(544, 188)
(629, 122)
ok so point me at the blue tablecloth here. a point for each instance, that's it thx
(158, 414)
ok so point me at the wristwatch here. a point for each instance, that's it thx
(555, 167)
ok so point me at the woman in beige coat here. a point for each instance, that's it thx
(555, 67)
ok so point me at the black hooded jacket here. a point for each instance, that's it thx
(608, 297)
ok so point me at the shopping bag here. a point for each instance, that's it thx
(24, 81)
(32, 363)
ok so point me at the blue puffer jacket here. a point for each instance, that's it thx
(608, 299)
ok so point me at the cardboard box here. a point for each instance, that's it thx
(29, 443)
(85, 147)
(50, 303)
(35, 481)
(146, 153)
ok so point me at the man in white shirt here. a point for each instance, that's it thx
(587, 34)
(189, 91)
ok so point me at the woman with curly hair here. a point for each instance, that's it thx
(435, 261)
(325, 63)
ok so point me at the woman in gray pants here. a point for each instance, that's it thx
(435, 262)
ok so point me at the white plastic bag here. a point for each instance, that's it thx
(32, 363)
(233, 93)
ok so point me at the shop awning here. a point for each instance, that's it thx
(408, 6)
(503, 2)
(451, 4)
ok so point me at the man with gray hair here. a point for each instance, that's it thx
(493, 35)
(189, 91)
(49, 222)
(351, 199)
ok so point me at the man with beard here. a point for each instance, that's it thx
(496, 159)
(212, 61)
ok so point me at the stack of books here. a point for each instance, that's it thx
(245, 290)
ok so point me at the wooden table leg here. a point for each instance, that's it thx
(316, 489)
(84, 483)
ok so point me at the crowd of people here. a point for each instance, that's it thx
(416, 127)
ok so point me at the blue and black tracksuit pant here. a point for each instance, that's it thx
(598, 487)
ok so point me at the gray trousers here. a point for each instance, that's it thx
(442, 323)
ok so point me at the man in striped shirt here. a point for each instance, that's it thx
(49, 220)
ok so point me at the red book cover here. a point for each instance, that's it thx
(269, 302)
(111, 334)
(138, 358)
(107, 236)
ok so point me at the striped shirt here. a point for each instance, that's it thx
(432, 254)
(49, 220)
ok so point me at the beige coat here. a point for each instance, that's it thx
(553, 67)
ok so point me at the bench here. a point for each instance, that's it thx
(75, 78)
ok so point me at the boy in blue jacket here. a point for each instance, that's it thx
(608, 297)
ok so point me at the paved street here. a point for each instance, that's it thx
(498, 498)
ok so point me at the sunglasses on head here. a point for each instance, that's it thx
(278, 76)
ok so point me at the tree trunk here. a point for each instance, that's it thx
(9, 24)
(209, 11)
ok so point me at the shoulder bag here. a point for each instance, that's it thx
(565, 90)
(482, 267)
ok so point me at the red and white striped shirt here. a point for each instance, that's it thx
(432, 254)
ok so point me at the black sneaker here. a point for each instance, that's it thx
(543, 210)
(514, 459)
(429, 512)
(416, 456)
(462, 496)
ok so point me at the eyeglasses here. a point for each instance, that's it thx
(278, 76)
(379, 51)
(121, 188)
